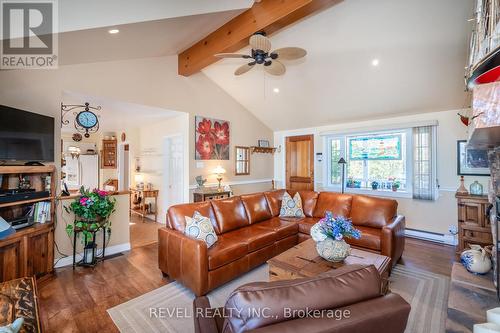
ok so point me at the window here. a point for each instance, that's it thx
(374, 161)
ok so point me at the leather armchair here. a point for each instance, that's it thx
(350, 292)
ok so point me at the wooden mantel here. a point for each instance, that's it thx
(268, 16)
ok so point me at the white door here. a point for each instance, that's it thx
(174, 169)
(123, 167)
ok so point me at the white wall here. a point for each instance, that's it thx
(153, 167)
(422, 215)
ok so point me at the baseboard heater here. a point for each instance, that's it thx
(431, 236)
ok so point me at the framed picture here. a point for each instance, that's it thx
(264, 143)
(211, 139)
(471, 161)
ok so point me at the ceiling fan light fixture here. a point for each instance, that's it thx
(276, 90)
(262, 55)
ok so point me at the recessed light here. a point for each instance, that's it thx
(276, 90)
(114, 31)
(375, 62)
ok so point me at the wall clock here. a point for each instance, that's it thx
(86, 120)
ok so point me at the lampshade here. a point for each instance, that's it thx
(138, 178)
(219, 170)
(342, 161)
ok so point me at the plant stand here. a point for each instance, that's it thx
(96, 259)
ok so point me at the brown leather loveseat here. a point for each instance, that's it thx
(347, 299)
(250, 232)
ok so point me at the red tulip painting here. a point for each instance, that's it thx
(212, 139)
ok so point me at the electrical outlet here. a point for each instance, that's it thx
(453, 229)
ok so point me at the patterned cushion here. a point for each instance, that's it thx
(200, 227)
(291, 207)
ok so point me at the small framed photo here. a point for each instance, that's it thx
(471, 161)
(264, 143)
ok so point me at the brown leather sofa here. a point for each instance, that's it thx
(250, 232)
(347, 299)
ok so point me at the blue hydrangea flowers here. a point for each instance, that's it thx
(338, 227)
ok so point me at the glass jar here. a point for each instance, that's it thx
(476, 188)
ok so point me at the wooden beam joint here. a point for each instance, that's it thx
(268, 16)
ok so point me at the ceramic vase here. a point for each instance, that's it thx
(333, 250)
(476, 260)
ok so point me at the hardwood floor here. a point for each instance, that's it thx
(76, 301)
(143, 233)
(429, 256)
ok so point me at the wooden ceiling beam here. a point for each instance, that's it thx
(268, 16)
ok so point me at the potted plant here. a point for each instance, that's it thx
(396, 185)
(330, 233)
(92, 210)
(350, 182)
(374, 185)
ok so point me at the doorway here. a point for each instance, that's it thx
(300, 162)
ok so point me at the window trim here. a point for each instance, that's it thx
(408, 193)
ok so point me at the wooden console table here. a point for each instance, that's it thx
(144, 194)
(206, 194)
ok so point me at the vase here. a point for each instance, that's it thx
(476, 260)
(333, 250)
(476, 188)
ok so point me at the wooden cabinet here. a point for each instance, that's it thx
(109, 154)
(29, 251)
(473, 221)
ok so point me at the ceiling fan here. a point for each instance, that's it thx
(262, 55)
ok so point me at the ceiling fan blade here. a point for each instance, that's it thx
(244, 68)
(290, 53)
(232, 55)
(259, 42)
(275, 68)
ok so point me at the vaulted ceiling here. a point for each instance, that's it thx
(420, 46)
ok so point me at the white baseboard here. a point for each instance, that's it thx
(433, 237)
(110, 250)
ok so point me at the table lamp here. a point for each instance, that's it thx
(139, 181)
(219, 171)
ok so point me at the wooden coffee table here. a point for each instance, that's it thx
(303, 260)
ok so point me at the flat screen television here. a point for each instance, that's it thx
(25, 136)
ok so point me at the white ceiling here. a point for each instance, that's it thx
(115, 115)
(421, 47)
(89, 14)
(139, 40)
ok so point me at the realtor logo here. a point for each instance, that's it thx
(29, 34)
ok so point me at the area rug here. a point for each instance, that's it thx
(169, 308)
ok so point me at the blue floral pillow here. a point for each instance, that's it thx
(291, 207)
(200, 227)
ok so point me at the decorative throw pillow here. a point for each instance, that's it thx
(291, 207)
(200, 227)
